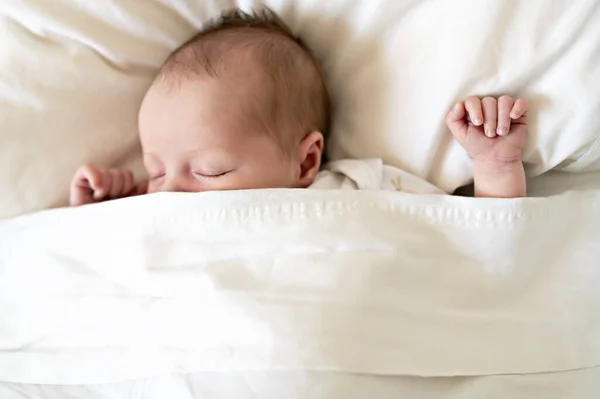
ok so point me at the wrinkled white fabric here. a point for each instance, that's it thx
(370, 174)
(575, 384)
(317, 294)
(73, 72)
(369, 282)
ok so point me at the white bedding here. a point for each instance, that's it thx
(577, 384)
(302, 282)
(303, 294)
(554, 183)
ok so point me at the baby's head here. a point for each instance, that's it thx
(241, 105)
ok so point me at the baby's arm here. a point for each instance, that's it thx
(91, 185)
(499, 179)
(493, 132)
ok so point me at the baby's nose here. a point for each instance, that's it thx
(177, 185)
(171, 186)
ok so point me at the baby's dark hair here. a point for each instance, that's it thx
(294, 100)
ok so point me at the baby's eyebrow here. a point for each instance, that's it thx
(210, 159)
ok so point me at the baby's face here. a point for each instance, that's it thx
(195, 137)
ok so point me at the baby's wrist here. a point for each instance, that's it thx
(496, 166)
(499, 178)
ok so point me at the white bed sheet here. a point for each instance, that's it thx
(577, 384)
(555, 182)
(318, 287)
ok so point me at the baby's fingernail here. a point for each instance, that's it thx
(477, 121)
(489, 132)
(502, 131)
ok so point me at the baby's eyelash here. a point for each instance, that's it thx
(208, 177)
(155, 178)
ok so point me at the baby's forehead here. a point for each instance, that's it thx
(212, 108)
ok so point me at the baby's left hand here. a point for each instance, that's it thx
(490, 130)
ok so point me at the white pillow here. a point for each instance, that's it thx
(73, 72)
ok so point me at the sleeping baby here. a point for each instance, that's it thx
(244, 105)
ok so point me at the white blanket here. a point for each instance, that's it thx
(373, 283)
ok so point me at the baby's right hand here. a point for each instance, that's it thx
(90, 185)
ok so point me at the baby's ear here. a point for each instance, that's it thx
(309, 157)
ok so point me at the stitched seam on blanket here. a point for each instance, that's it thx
(303, 211)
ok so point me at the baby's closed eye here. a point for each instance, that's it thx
(209, 174)
(156, 175)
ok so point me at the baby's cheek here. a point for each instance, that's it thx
(152, 188)
(257, 180)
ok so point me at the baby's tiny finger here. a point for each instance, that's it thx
(519, 109)
(457, 113)
(473, 105)
(117, 183)
(505, 105)
(88, 176)
(101, 191)
(455, 120)
(490, 116)
(127, 182)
